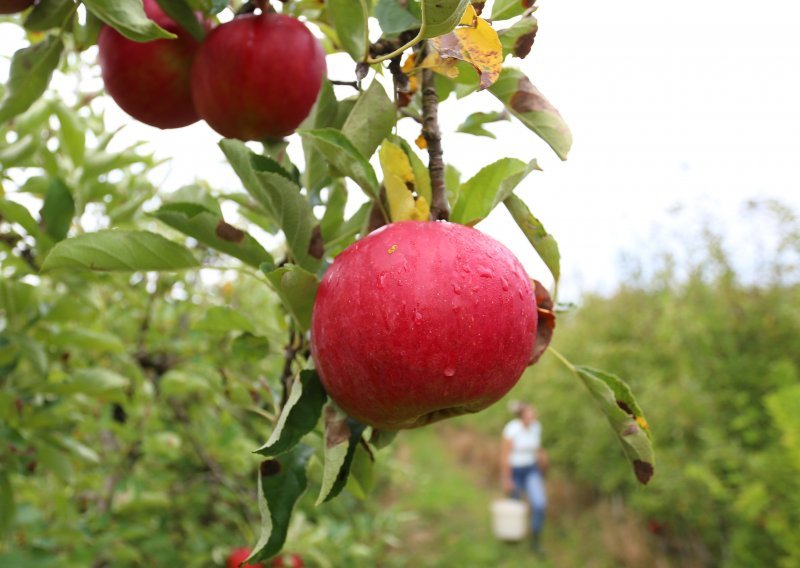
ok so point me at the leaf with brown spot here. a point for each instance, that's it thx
(528, 105)
(316, 246)
(477, 43)
(518, 39)
(546, 323)
(229, 233)
(611, 393)
(342, 435)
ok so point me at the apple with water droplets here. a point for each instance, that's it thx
(420, 321)
(150, 80)
(258, 76)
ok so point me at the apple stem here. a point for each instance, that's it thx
(440, 208)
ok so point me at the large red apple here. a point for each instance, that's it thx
(420, 321)
(14, 6)
(238, 556)
(257, 76)
(150, 80)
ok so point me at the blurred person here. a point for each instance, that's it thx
(523, 462)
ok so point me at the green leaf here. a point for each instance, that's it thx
(518, 39)
(297, 289)
(14, 212)
(441, 16)
(371, 120)
(324, 114)
(298, 416)
(349, 18)
(507, 9)
(128, 18)
(342, 436)
(53, 459)
(362, 473)
(543, 242)
(8, 508)
(273, 188)
(94, 382)
(474, 123)
(527, 104)
(486, 189)
(31, 69)
(48, 15)
(223, 319)
(88, 339)
(20, 153)
(72, 133)
(281, 482)
(344, 157)
(114, 250)
(394, 18)
(183, 14)
(616, 401)
(334, 210)
(452, 183)
(58, 210)
(212, 230)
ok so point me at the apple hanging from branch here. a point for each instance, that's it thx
(420, 321)
(14, 6)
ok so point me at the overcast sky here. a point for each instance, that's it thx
(686, 103)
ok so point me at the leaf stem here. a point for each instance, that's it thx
(562, 359)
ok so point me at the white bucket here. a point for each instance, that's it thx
(509, 519)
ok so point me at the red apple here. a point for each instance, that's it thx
(14, 6)
(151, 80)
(257, 76)
(238, 556)
(421, 321)
(288, 561)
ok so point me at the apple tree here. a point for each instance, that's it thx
(109, 312)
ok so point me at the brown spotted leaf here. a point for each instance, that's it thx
(528, 104)
(211, 229)
(475, 42)
(547, 321)
(518, 39)
(617, 402)
(342, 435)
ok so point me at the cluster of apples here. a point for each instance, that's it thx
(254, 77)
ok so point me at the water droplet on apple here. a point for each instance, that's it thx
(381, 278)
(456, 289)
(417, 318)
(484, 272)
(504, 283)
(521, 296)
(449, 372)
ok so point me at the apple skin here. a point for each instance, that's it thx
(238, 556)
(14, 6)
(151, 80)
(258, 76)
(294, 561)
(420, 321)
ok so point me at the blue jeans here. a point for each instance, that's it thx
(528, 481)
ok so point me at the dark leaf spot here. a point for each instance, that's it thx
(631, 429)
(626, 408)
(336, 429)
(527, 98)
(361, 70)
(546, 323)
(478, 7)
(316, 246)
(229, 233)
(270, 468)
(522, 47)
(644, 471)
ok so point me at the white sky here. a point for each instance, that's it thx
(692, 103)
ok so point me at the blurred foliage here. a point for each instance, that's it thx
(715, 357)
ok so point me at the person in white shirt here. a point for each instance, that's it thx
(522, 464)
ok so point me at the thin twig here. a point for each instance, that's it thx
(440, 208)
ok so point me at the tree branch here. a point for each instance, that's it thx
(440, 208)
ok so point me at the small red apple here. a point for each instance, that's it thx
(257, 76)
(151, 80)
(238, 556)
(421, 321)
(14, 6)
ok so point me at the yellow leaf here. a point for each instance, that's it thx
(400, 183)
(468, 19)
(478, 44)
(421, 143)
(435, 63)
